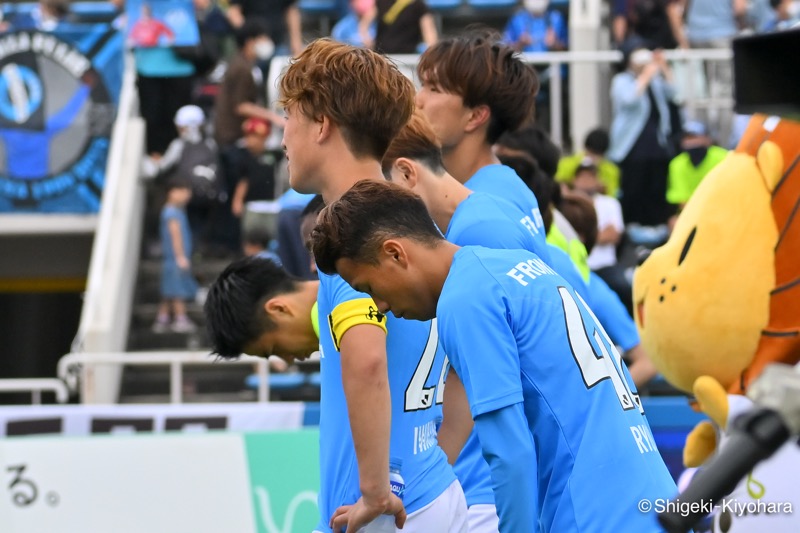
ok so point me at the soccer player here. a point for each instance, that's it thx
(414, 161)
(565, 438)
(473, 89)
(343, 106)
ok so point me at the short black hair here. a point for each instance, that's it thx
(537, 181)
(597, 141)
(234, 307)
(252, 28)
(775, 3)
(535, 141)
(354, 226)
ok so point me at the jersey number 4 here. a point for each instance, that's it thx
(596, 367)
(418, 396)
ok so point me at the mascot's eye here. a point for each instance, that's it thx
(687, 245)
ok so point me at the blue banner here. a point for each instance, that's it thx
(161, 23)
(59, 93)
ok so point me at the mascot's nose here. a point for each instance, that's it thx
(642, 254)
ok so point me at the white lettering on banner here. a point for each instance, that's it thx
(532, 268)
(67, 56)
(268, 521)
(425, 437)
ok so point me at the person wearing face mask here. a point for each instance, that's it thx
(640, 133)
(240, 97)
(351, 30)
(535, 28)
(688, 168)
(785, 14)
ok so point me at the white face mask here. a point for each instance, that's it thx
(641, 57)
(191, 134)
(794, 10)
(536, 6)
(264, 49)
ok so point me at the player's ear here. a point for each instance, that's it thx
(277, 306)
(478, 116)
(408, 169)
(394, 251)
(324, 129)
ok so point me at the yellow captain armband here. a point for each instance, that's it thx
(352, 313)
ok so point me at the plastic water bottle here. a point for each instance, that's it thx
(385, 523)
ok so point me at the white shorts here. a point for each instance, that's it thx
(446, 514)
(483, 518)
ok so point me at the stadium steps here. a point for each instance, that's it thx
(201, 383)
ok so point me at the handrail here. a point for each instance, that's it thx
(408, 62)
(36, 386)
(80, 361)
(110, 286)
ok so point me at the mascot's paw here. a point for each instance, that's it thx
(713, 399)
(700, 444)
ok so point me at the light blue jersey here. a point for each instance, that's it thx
(521, 339)
(605, 303)
(416, 373)
(486, 220)
(503, 182)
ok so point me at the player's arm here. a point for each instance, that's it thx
(366, 387)
(508, 448)
(456, 418)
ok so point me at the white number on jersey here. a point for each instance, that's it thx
(419, 397)
(595, 367)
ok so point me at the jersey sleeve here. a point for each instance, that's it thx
(612, 314)
(479, 340)
(508, 447)
(350, 308)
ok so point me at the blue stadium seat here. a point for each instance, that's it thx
(315, 379)
(444, 5)
(493, 4)
(318, 6)
(278, 382)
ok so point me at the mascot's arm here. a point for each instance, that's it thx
(702, 440)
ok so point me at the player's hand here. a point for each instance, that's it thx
(183, 262)
(351, 518)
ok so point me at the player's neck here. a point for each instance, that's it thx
(471, 155)
(341, 174)
(447, 194)
(439, 266)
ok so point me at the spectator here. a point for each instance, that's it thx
(610, 228)
(350, 29)
(640, 133)
(404, 27)
(164, 80)
(713, 24)
(215, 33)
(259, 243)
(256, 178)
(282, 18)
(784, 14)
(177, 282)
(296, 208)
(238, 100)
(530, 140)
(659, 23)
(594, 148)
(47, 15)
(192, 157)
(535, 28)
(687, 169)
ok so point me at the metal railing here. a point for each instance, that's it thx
(36, 386)
(74, 366)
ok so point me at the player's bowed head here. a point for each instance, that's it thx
(380, 238)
